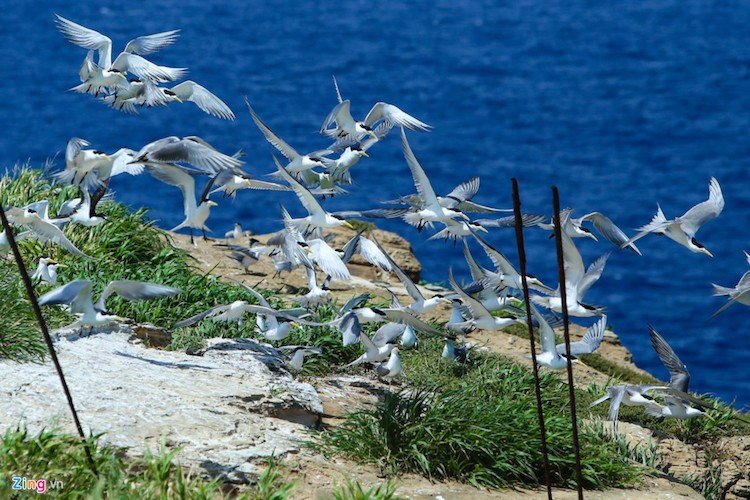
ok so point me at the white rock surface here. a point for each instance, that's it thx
(216, 406)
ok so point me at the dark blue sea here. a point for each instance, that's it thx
(619, 104)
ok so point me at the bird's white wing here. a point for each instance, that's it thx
(463, 192)
(380, 132)
(478, 311)
(75, 145)
(590, 341)
(328, 260)
(502, 264)
(55, 234)
(735, 294)
(192, 150)
(368, 344)
(392, 114)
(350, 328)
(373, 254)
(703, 212)
(573, 265)
(213, 311)
(475, 269)
(593, 273)
(609, 230)
(176, 176)
(146, 70)
(121, 164)
(679, 375)
(149, 44)
(76, 293)
(87, 38)
(399, 315)
(387, 333)
(409, 285)
(200, 95)
(305, 196)
(136, 290)
(340, 114)
(421, 181)
(617, 392)
(546, 334)
(261, 299)
(284, 148)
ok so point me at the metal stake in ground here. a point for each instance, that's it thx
(535, 369)
(45, 332)
(566, 334)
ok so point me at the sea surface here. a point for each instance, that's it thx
(621, 105)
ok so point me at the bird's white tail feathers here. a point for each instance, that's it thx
(722, 290)
(657, 223)
(600, 400)
(653, 410)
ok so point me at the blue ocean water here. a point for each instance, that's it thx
(619, 104)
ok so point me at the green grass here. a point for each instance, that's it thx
(126, 247)
(59, 457)
(54, 456)
(352, 490)
(475, 423)
(645, 454)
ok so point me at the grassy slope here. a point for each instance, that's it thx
(473, 422)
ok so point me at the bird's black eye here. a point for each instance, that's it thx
(695, 242)
(366, 127)
(585, 230)
(31, 211)
(113, 70)
(303, 244)
(169, 92)
(135, 80)
(98, 152)
(357, 148)
(337, 217)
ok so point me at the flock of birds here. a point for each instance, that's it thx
(488, 303)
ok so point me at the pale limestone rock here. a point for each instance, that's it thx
(231, 404)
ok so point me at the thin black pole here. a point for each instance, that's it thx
(566, 334)
(45, 332)
(535, 369)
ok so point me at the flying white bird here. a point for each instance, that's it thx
(318, 218)
(297, 162)
(196, 213)
(191, 150)
(93, 40)
(81, 165)
(480, 316)
(47, 271)
(127, 60)
(577, 282)
(682, 229)
(740, 293)
(348, 129)
(431, 210)
(41, 227)
(392, 369)
(590, 341)
(78, 296)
